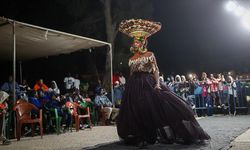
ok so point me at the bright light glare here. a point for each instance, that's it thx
(246, 21)
(230, 6)
(239, 11)
(190, 76)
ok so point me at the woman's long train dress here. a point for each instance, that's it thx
(145, 109)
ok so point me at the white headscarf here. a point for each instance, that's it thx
(3, 96)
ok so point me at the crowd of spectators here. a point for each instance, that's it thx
(50, 97)
(205, 93)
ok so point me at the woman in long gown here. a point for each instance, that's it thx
(150, 110)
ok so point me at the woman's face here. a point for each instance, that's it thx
(138, 44)
(53, 85)
(204, 75)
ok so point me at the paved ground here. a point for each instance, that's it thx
(242, 142)
(66, 141)
(222, 129)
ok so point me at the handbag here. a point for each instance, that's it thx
(198, 90)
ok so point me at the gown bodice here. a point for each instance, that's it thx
(143, 63)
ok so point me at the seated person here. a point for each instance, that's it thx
(54, 89)
(41, 86)
(78, 98)
(24, 89)
(33, 99)
(65, 101)
(104, 103)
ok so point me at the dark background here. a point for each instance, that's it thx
(196, 35)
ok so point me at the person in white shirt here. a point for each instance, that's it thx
(77, 82)
(122, 79)
(54, 88)
(232, 95)
(69, 83)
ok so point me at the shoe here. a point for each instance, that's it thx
(141, 144)
(6, 142)
(234, 113)
(109, 122)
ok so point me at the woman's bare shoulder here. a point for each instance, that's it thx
(146, 54)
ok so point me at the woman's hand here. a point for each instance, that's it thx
(157, 86)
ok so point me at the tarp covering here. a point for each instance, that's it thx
(35, 42)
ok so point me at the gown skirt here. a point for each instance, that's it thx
(144, 110)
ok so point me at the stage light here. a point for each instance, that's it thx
(231, 5)
(239, 11)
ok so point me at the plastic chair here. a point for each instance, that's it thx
(57, 119)
(23, 115)
(79, 116)
(102, 115)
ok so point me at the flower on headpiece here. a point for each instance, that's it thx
(137, 28)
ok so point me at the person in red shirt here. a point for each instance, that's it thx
(41, 86)
(215, 90)
(115, 78)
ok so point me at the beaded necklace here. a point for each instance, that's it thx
(141, 60)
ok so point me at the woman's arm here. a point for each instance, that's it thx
(155, 72)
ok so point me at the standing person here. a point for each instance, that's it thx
(115, 77)
(122, 79)
(118, 90)
(220, 89)
(239, 90)
(232, 95)
(77, 82)
(8, 87)
(171, 83)
(3, 111)
(196, 90)
(149, 108)
(68, 83)
(184, 87)
(177, 84)
(215, 91)
(225, 94)
(161, 78)
(206, 93)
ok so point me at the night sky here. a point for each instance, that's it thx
(200, 35)
(196, 35)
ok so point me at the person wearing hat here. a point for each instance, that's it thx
(150, 111)
(118, 93)
(3, 110)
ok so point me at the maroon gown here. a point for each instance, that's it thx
(144, 110)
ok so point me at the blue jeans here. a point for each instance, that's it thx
(209, 103)
(231, 104)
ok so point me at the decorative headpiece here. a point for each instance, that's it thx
(137, 28)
